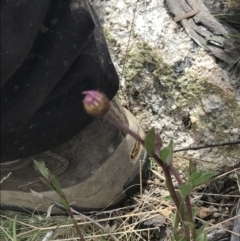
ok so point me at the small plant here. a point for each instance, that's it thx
(53, 183)
(97, 104)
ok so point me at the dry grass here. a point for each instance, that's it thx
(146, 216)
(126, 223)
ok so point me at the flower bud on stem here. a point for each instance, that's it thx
(97, 104)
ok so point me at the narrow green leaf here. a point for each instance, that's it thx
(205, 236)
(196, 175)
(56, 184)
(201, 234)
(176, 221)
(192, 168)
(42, 168)
(167, 198)
(191, 225)
(64, 203)
(14, 229)
(149, 142)
(185, 189)
(200, 177)
(170, 145)
(166, 154)
(194, 211)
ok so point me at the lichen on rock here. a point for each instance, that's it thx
(140, 56)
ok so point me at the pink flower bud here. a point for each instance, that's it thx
(96, 103)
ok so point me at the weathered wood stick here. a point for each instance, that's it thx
(186, 15)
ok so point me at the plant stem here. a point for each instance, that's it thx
(190, 217)
(166, 170)
(69, 211)
(52, 182)
(123, 127)
(175, 174)
(169, 179)
(187, 201)
(127, 130)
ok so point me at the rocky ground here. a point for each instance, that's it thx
(169, 82)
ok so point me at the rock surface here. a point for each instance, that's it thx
(167, 78)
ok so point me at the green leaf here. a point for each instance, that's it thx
(205, 236)
(176, 222)
(166, 154)
(201, 234)
(14, 229)
(196, 174)
(192, 168)
(56, 184)
(185, 189)
(167, 198)
(149, 142)
(194, 211)
(200, 177)
(191, 225)
(42, 168)
(65, 203)
(178, 236)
